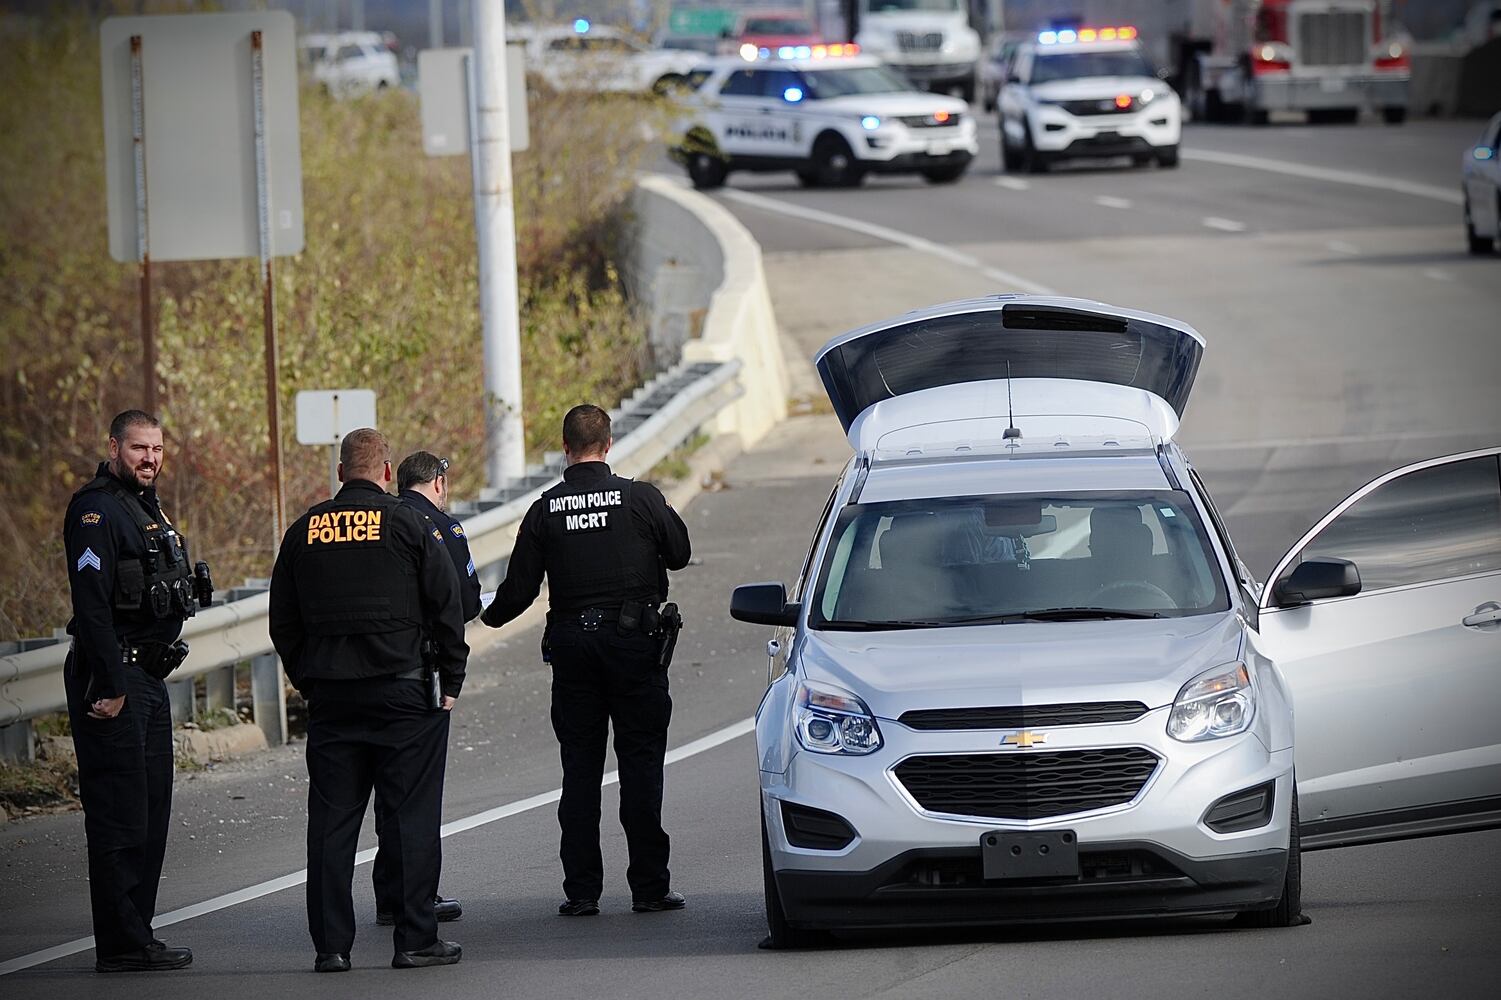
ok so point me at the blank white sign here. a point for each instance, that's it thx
(324, 416)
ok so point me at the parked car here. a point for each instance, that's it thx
(352, 62)
(1023, 675)
(591, 57)
(1481, 171)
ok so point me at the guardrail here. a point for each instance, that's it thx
(233, 636)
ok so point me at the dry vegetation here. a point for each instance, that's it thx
(383, 297)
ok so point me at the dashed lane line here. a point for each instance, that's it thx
(1350, 177)
(1111, 201)
(1006, 278)
(1224, 225)
(1013, 183)
(293, 879)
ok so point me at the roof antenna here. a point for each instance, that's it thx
(1013, 432)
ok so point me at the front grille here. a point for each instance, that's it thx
(928, 121)
(1026, 785)
(919, 41)
(1097, 106)
(1333, 38)
(1025, 716)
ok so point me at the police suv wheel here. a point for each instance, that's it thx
(706, 171)
(807, 178)
(834, 164)
(1167, 156)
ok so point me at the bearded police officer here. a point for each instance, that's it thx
(132, 588)
(422, 479)
(605, 544)
(359, 581)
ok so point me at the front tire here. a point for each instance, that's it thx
(1479, 245)
(1289, 909)
(1167, 156)
(780, 935)
(834, 163)
(707, 171)
(1394, 116)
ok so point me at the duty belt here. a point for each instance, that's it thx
(157, 659)
(590, 619)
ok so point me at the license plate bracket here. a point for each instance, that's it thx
(1012, 854)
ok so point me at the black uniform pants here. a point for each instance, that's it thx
(598, 678)
(374, 734)
(125, 780)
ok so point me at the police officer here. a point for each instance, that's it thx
(132, 588)
(605, 544)
(422, 479)
(358, 582)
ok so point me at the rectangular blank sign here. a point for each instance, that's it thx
(199, 109)
(444, 94)
(324, 416)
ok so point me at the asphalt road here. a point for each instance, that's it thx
(1348, 333)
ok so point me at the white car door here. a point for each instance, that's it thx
(750, 122)
(1397, 688)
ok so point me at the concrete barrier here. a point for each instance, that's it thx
(699, 272)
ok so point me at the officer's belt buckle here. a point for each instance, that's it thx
(591, 619)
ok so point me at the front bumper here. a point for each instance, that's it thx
(1286, 92)
(896, 148)
(1179, 864)
(929, 887)
(1058, 132)
(934, 74)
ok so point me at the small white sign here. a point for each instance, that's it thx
(443, 92)
(324, 416)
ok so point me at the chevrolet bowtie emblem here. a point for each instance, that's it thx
(1024, 739)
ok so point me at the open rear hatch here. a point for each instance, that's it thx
(1009, 336)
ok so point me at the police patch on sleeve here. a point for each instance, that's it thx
(456, 528)
(470, 568)
(91, 519)
(89, 558)
(438, 535)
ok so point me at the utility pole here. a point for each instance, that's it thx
(435, 24)
(495, 225)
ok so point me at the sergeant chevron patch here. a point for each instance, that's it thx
(89, 559)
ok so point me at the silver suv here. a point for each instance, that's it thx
(1023, 674)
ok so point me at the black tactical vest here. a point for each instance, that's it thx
(595, 555)
(158, 585)
(351, 579)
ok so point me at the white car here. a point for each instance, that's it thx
(1023, 674)
(353, 62)
(1482, 190)
(600, 59)
(1086, 93)
(830, 118)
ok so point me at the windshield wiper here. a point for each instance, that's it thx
(1052, 615)
(879, 626)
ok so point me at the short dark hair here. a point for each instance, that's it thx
(419, 467)
(128, 419)
(364, 451)
(586, 428)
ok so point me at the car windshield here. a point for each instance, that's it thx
(829, 83)
(777, 26)
(884, 6)
(1014, 558)
(1078, 65)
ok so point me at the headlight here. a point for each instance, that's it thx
(831, 720)
(870, 122)
(1217, 703)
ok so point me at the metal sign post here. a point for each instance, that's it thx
(268, 294)
(143, 243)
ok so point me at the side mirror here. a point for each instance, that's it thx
(1315, 579)
(763, 604)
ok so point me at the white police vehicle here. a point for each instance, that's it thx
(1086, 92)
(825, 112)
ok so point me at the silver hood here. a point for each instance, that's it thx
(1034, 664)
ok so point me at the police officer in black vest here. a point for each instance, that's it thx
(422, 479)
(605, 544)
(132, 589)
(358, 583)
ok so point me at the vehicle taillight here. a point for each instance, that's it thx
(1123, 101)
(1392, 55)
(1271, 57)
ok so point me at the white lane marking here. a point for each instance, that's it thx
(1340, 246)
(1438, 275)
(1013, 183)
(1014, 281)
(1350, 177)
(1110, 201)
(1224, 225)
(698, 746)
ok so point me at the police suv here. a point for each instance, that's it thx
(1086, 92)
(825, 112)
